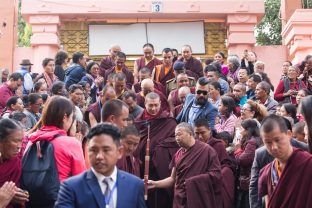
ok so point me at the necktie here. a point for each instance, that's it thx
(107, 194)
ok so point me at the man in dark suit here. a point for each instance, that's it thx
(103, 186)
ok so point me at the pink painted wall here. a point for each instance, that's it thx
(273, 57)
(22, 53)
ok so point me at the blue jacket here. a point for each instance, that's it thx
(208, 111)
(74, 74)
(83, 191)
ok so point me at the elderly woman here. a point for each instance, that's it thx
(234, 66)
(94, 80)
(288, 88)
(11, 136)
(47, 77)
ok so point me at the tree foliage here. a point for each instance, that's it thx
(268, 31)
(24, 29)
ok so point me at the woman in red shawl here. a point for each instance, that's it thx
(11, 135)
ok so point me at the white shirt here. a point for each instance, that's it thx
(112, 182)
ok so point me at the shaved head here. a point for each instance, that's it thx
(185, 90)
(147, 83)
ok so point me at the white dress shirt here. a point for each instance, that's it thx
(112, 182)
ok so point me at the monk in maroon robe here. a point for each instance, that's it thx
(109, 61)
(191, 63)
(164, 72)
(93, 112)
(203, 133)
(121, 68)
(285, 182)
(196, 172)
(129, 139)
(162, 147)
(147, 87)
(145, 73)
(148, 60)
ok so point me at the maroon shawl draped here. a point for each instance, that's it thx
(151, 65)
(198, 177)
(126, 71)
(163, 100)
(195, 66)
(106, 64)
(294, 188)
(162, 149)
(129, 164)
(95, 109)
(163, 78)
(11, 170)
(157, 86)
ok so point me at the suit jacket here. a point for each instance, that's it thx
(83, 191)
(262, 158)
(208, 111)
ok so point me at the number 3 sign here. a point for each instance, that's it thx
(156, 6)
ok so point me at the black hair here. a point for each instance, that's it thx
(112, 107)
(166, 50)
(74, 87)
(210, 67)
(12, 101)
(129, 94)
(7, 126)
(201, 122)
(202, 81)
(148, 45)
(265, 78)
(217, 86)
(305, 109)
(17, 116)
(256, 78)
(129, 130)
(265, 86)
(56, 87)
(16, 76)
(77, 56)
(271, 122)
(31, 99)
(107, 129)
(83, 84)
(173, 49)
(228, 102)
(225, 136)
(89, 67)
(121, 55)
(252, 128)
(292, 110)
(44, 97)
(208, 61)
(60, 57)
(288, 123)
(306, 91)
(46, 61)
(290, 64)
(299, 127)
(221, 54)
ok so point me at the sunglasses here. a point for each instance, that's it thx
(198, 92)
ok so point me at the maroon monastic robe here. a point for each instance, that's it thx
(106, 64)
(126, 71)
(163, 100)
(198, 177)
(95, 109)
(151, 65)
(194, 65)
(129, 164)
(163, 78)
(162, 149)
(11, 170)
(157, 86)
(227, 172)
(294, 187)
(175, 96)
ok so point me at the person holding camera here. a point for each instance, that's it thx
(288, 87)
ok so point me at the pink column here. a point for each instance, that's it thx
(297, 35)
(241, 33)
(45, 41)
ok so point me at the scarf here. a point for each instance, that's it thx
(49, 80)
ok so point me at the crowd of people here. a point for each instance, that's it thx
(171, 132)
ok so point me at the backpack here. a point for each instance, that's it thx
(40, 174)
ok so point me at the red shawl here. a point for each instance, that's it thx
(129, 164)
(151, 65)
(294, 188)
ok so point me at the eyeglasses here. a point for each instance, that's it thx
(244, 109)
(198, 92)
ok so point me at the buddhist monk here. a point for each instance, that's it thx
(286, 182)
(109, 61)
(121, 67)
(145, 73)
(129, 139)
(182, 93)
(148, 60)
(93, 112)
(204, 134)
(191, 63)
(196, 172)
(147, 86)
(164, 72)
(115, 112)
(120, 85)
(162, 146)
